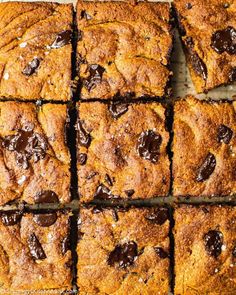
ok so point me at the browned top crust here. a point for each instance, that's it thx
(123, 151)
(34, 159)
(106, 267)
(205, 250)
(208, 31)
(124, 49)
(35, 50)
(33, 256)
(204, 148)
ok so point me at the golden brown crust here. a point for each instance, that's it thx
(132, 44)
(115, 142)
(28, 30)
(49, 172)
(197, 272)
(20, 270)
(196, 135)
(199, 20)
(148, 274)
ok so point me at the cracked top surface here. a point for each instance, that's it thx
(104, 233)
(131, 44)
(197, 270)
(204, 148)
(124, 151)
(32, 31)
(21, 266)
(210, 65)
(34, 158)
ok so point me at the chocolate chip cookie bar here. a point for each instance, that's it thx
(34, 158)
(205, 250)
(34, 252)
(123, 49)
(35, 50)
(123, 252)
(208, 30)
(204, 148)
(122, 151)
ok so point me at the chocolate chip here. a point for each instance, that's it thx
(226, 5)
(108, 180)
(161, 252)
(31, 67)
(84, 138)
(205, 210)
(82, 158)
(46, 197)
(232, 75)
(198, 65)
(224, 41)
(224, 134)
(65, 245)
(129, 192)
(158, 216)
(26, 144)
(234, 252)
(35, 247)
(10, 218)
(189, 6)
(62, 39)
(207, 168)
(91, 175)
(115, 215)
(46, 219)
(117, 109)
(85, 15)
(213, 242)
(103, 193)
(123, 255)
(95, 76)
(149, 144)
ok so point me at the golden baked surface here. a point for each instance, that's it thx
(204, 148)
(34, 159)
(122, 151)
(123, 49)
(33, 252)
(208, 31)
(205, 250)
(35, 50)
(123, 252)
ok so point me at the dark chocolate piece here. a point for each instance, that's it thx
(149, 143)
(224, 41)
(213, 242)
(46, 197)
(161, 252)
(117, 109)
(232, 75)
(95, 76)
(11, 218)
(62, 39)
(65, 245)
(158, 216)
(35, 247)
(129, 193)
(103, 193)
(31, 67)
(85, 15)
(82, 158)
(84, 138)
(224, 134)
(123, 255)
(108, 180)
(45, 219)
(207, 168)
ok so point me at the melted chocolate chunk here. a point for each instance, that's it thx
(46, 219)
(108, 180)
(82, 158)
(85, 15)
(149, 144)
(161, 252)
(198, 65)
(213, 242)
(234, 252)
(117, 109)
(129, 193)
(35, 247)
(103, 193)
(84, 138)
(207, 168)
(11, 218)
(91, 175)
(46, 197)
(158, 216)
(232, 75)
(65, 245)
(224, 134)
(95, 76)
(26, 144)
(31, 67)
(115, 215)
(123, 255)
(62, 39)
(224, 41)
(189, 6)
